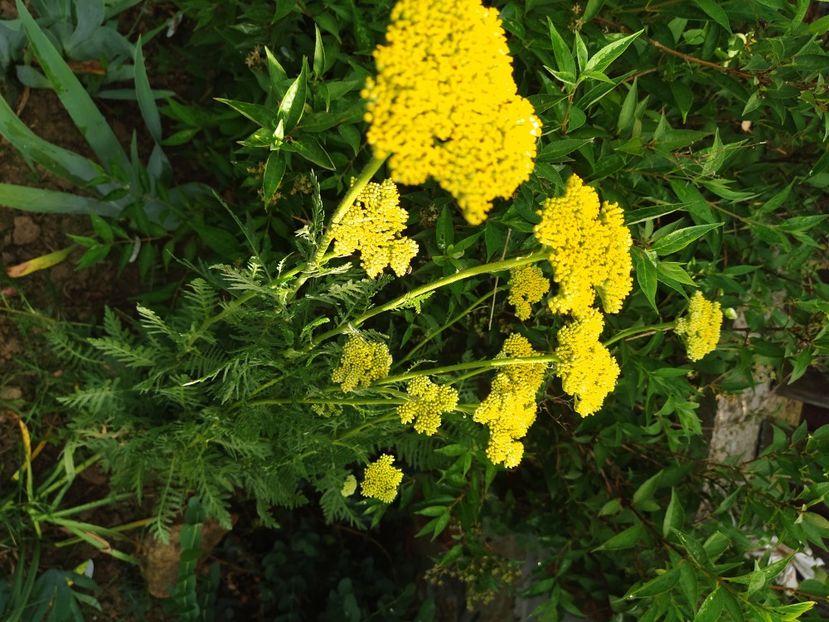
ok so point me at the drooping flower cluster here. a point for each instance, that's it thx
(362, 363)
(444, 103)
(589, 249)
(527, 285)
(381, 479)
(588, 372)
(374, 225)
(509, 410)
(700, 329)
(428, 402)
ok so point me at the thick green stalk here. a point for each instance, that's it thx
(640, 331)
(479, 365)
(400, 301)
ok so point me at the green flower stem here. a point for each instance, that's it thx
(451, 322)
(639, 331)
(88, 506)
(477, 365)
(408, 297)
(343, 402)
(51, 487)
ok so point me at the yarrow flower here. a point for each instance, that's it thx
(700, 330)
(589, 249)
(588, 372)
(428, 402)
(509, 410)
(444, 103)
(362, 363)
(381, 479)
(526, 286)
(374, 225)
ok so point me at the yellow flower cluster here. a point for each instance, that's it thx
(362, 363)
(701, 328)
(373, 226)
(589, 249)
(509, 409)
(429, 401)
(444, 103)
(588, 372)
(526, 286)
(381, 479)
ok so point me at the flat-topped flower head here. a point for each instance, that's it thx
(510, 408)
(428, 401)
(700, 329)
(444, 103)
(381, 479)
(374, 226)
(362, 363)
(589, 249)
(588, 372)
(527, 285)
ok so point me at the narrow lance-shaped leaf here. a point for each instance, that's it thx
(86, 116)
(679, 239)
(144, 94)
(602, 59)
(293, 104)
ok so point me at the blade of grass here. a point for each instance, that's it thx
(86, 116)
(144, 94)
(53, 202)
(57, 160)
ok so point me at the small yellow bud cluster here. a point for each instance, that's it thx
(362, 363)
(349, 486)
(589, 249)
(526, 286)
(373, 226)
(701, 328)
(588, 372)
(509, 409)
(444, 103)
(382, 479)
(428, 402)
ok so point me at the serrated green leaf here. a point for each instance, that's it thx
(711, 607)
(645, 274)
(258, 114)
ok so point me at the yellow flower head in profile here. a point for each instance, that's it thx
(381, 479)
(349, 486)
(509, 409)
(589, 249)
(588, 372)
(428, 402)
(444, 103)
(701, 328)
(526, 286)
(373, 225)
(362, 363)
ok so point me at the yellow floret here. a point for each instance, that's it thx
(526, 286)
(444, 103)
(374, 225)
(362, 363)
(381, 479)
(588, 372)
(589, 249)
(701, 328)
(428, 402)
(509, 409)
